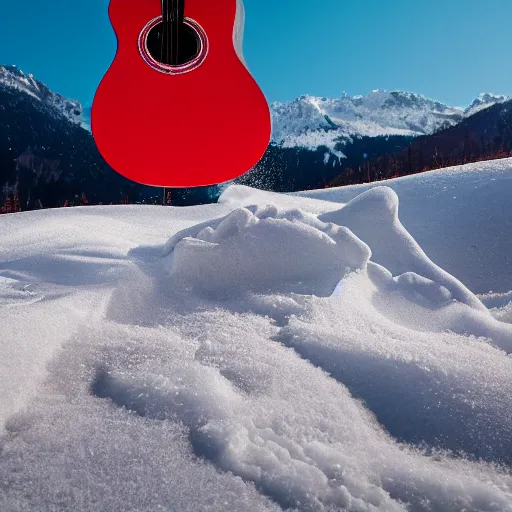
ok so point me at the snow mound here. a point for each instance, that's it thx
(311, 254)
(246, 251)
(373, 217)
(460, 216)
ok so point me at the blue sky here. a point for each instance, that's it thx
(449, 50)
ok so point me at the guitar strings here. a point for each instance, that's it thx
(163, 49)
(173, 15)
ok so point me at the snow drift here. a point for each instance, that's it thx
(266, 353)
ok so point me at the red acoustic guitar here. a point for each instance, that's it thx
(178, 107)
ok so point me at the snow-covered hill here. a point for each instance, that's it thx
(311, 121)
(268, 352)
(12, 77)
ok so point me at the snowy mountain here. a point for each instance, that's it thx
(47, 158)
(485, 100)
(310, 121)
(11, 77)
(316, 140)
(266, 353)
(486, 134)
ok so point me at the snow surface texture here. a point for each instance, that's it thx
(311, 121)
(266, 353)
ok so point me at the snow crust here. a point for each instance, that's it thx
(269, 352)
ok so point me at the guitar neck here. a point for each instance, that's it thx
(173, 14)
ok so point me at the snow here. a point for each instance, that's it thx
(460, 216)
(271, 352)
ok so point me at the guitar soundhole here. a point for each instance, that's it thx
(188, 46)
(192, 47)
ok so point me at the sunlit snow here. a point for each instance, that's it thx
(270, 352)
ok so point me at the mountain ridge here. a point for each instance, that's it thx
(48, 155)
(307, 121)
(314, 121)
(14, 78)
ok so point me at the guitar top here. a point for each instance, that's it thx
(178, 106)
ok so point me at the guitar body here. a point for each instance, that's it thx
(201, 123)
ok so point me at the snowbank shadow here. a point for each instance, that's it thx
(418, 404)
(185, 405)
(68, 269)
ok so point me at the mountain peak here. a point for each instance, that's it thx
(484, 100)
(13, 78)
(312, 121)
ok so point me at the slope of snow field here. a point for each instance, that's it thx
(269, 352)
(460, 216)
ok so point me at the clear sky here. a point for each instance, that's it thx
(450, 50)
